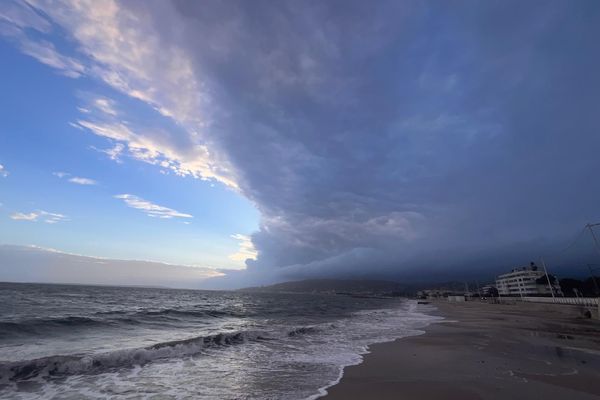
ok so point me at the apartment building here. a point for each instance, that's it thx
(526, 281)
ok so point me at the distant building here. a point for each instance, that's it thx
(432, 294)
(489, 291)
(526, 281)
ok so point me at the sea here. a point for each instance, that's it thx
(96, 342)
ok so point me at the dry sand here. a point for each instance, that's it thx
(485, 351)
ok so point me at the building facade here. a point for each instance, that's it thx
(526, 281)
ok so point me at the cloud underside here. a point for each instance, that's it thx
(372, 139)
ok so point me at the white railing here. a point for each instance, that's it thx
(581, 301)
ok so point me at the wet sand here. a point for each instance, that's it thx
(484, 351)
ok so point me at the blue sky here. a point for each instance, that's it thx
(291, 140)
(39, 145)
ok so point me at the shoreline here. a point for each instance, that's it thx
(431, 312)
(483, 351)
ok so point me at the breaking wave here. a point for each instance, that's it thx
(65, 365)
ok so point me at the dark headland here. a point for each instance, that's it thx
(335, 286)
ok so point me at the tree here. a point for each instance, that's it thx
(568, 284)
(585, 287)
(543, 281)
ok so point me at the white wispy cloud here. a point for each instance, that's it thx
(46, 53)
(33, 216)
(3, 171)
(75, 179)
(246, 249)
(105, 105)
(118, 47)
(153, 147)
(22, 16)
(39, 215)
(114, 153)
(151, 209)
(60, 174)
(129, 55)
(17, 22)
(82, 181)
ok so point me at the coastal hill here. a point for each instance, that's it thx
(333, 286)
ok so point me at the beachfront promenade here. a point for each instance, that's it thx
(581, 301)
(589, 304)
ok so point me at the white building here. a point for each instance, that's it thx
(488, 291)
(526, 281)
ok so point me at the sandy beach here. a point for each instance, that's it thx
(485, 351)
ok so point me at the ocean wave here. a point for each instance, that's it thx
(36, 324)
(189, 313)
(303, 331)
(174, 312)
(104, 318)
(65, 365)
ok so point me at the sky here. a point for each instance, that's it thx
(264, 141)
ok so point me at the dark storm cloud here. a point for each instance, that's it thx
(380, 138)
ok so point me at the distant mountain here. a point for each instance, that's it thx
(333, 286)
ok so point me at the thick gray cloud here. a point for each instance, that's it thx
(381, 138)
(386, 139)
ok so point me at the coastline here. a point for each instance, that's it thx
(483, 351)
(430, 312)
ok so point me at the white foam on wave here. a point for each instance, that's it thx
(308, 358)
(412, 320)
